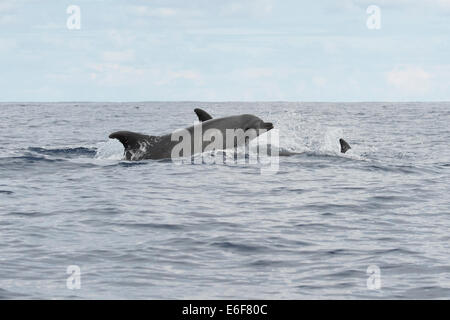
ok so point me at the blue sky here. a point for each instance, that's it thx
(238, 50)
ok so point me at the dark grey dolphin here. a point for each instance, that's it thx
(140, 146)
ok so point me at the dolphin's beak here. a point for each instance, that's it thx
(268, 126)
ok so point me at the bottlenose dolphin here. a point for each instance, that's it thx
(140, 146)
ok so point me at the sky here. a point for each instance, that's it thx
(225, 50)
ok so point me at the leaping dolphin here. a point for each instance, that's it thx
(140, 146)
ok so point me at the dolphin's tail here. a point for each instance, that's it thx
(344, 145)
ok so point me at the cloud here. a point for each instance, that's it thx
(121, 38)
(8, 19)
(398, 4)
(255, 73)
(409, 79)
(445, 4)
(252, 49)
(118, 74)
(118, 56)
(8, 11)
(6, 6)
(7, 45)
(145, 11)
(247, 7)
(319, 81)
(171, 76)
(115, 74)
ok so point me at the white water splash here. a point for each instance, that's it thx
(109, 150)
(330, 141)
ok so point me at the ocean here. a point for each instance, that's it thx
(79, 222)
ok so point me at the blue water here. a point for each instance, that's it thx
(154, 229)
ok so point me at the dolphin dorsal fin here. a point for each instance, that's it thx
(344, 145)
(202, 115)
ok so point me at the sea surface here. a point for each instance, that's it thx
(159, 230)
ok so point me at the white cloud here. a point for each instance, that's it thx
(410, 79)
(398, 4)
(8, 11)
(118, 74)
(171, 76)
(146, 11)
(8, 19)
(118, 56)
(113, 74)
(319, 81)
(7, 44)
(6, 6)
(444, 4)
(121, 38)
(254, 73)
(247, 7)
